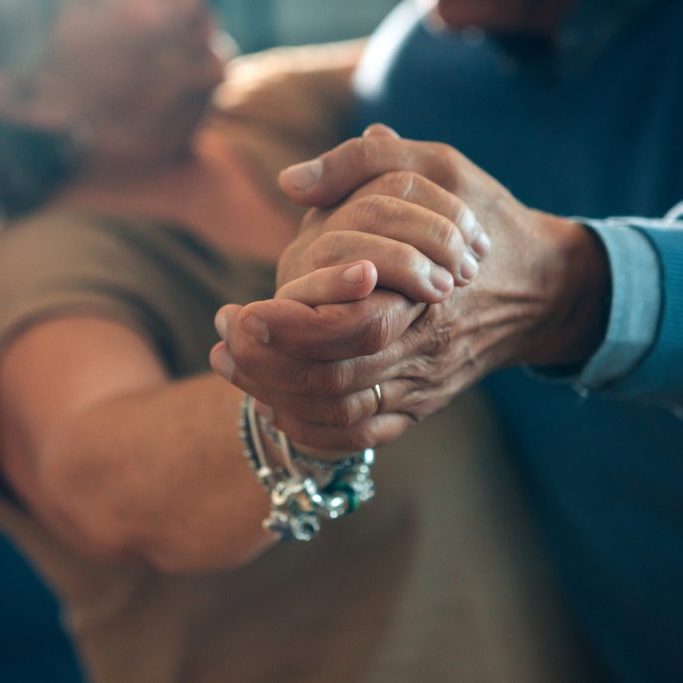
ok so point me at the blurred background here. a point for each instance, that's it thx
(259, 24)
(28, 612)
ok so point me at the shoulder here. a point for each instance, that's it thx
(86, 246)
(54, 264)
(59, 239)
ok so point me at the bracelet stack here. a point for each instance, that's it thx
(299, 501)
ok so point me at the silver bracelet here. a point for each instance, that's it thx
(310, 461)
(298, 502)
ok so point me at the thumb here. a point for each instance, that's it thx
(328, 179)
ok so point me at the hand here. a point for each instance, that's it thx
(538, 300)
(422, 238)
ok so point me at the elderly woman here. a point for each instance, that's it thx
(131, 216)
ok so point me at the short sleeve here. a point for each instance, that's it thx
(64, 266)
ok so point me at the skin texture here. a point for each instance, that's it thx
(117, 457)
(538, 300)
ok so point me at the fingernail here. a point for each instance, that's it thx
(482, 245)
(441, 279)
(354, 275)
(222, 322)
(468, 224)
(305, 176)
(256, 328)
(469, 268)
(223, 364)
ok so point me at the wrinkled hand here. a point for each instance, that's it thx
(537, 300)
(422, 238)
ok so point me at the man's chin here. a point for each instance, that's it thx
(505, 16)
(488, 14)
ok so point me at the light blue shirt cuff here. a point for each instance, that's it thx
(635, 307)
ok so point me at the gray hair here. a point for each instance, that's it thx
(33, 162)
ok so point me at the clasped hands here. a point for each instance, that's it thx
(413, 270)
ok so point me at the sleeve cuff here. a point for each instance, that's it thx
(635, 307)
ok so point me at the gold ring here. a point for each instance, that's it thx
(377, 391)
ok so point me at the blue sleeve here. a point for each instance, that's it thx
(642, 356)
(635, 305)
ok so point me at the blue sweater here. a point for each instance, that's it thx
(605, 471)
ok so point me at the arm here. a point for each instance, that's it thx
(118, 459)
(631, 348)
(122, 461)
(537, 301)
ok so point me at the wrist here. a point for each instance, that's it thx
(580, 284)
(300, 497)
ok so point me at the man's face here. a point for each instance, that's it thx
(505, 15)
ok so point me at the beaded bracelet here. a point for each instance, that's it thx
(298, 502)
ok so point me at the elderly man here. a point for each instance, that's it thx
(575, 106)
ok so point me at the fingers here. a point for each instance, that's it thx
(349, 431)
(419, 252)
(412, 210)
(345, 410)
(380, 129)
(416, 189)
(400, 267)
(289, 328)
(336, 284)
(327, 180)
(326, 332)
(408, 208)
(268, 373)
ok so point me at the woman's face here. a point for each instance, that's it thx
(137, 75)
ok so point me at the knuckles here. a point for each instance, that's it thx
(331, 379)
(360, 153)
(449, 241)
(367, 150)
(375, 333)
(329, 248)
(323, 379)
(399, 184)
(363, 435)
(369, 213)
(344, 412)
(439, 161)
(447, 165)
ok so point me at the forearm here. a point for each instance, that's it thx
(158, 476)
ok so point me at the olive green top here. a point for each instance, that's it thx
(160, 279)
